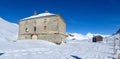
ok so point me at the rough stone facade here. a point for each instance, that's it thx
(51, 28)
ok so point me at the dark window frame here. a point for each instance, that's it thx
(34, 28)
(26, 30)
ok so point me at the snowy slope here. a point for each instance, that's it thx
(38, 49)
(8, 31)
(118, 31)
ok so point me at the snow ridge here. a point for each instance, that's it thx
(39, 15)
(8, 31)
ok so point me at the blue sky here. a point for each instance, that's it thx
(82, 16)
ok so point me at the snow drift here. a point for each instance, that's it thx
(38, 49)
(8, 31)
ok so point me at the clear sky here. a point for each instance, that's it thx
(82, 16)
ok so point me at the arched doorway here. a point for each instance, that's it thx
(34, 36)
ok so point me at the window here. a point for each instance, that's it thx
(34, 28)
(45, 27)
(26, 29)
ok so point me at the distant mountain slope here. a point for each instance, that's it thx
(79, 36)
(118, 31)
(8, 31)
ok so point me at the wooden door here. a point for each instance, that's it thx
(34, 36)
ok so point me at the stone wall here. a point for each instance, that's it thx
(50, 28)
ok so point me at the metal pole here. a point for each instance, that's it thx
(114, 46)
(119, 44)
(119, 40)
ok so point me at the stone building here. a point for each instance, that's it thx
(44, 26)
(97, 38)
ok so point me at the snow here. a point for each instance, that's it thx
(88, 36)
(8, 31)
(39, 15)
(78, 36)
(39, 49)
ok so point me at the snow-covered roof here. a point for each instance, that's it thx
(39, 15)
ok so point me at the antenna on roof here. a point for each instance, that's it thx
(46, 11)
(35, 12)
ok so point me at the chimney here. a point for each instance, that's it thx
(46, 11)
(35, 12)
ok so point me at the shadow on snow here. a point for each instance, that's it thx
(1, 54)
(76, 57)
